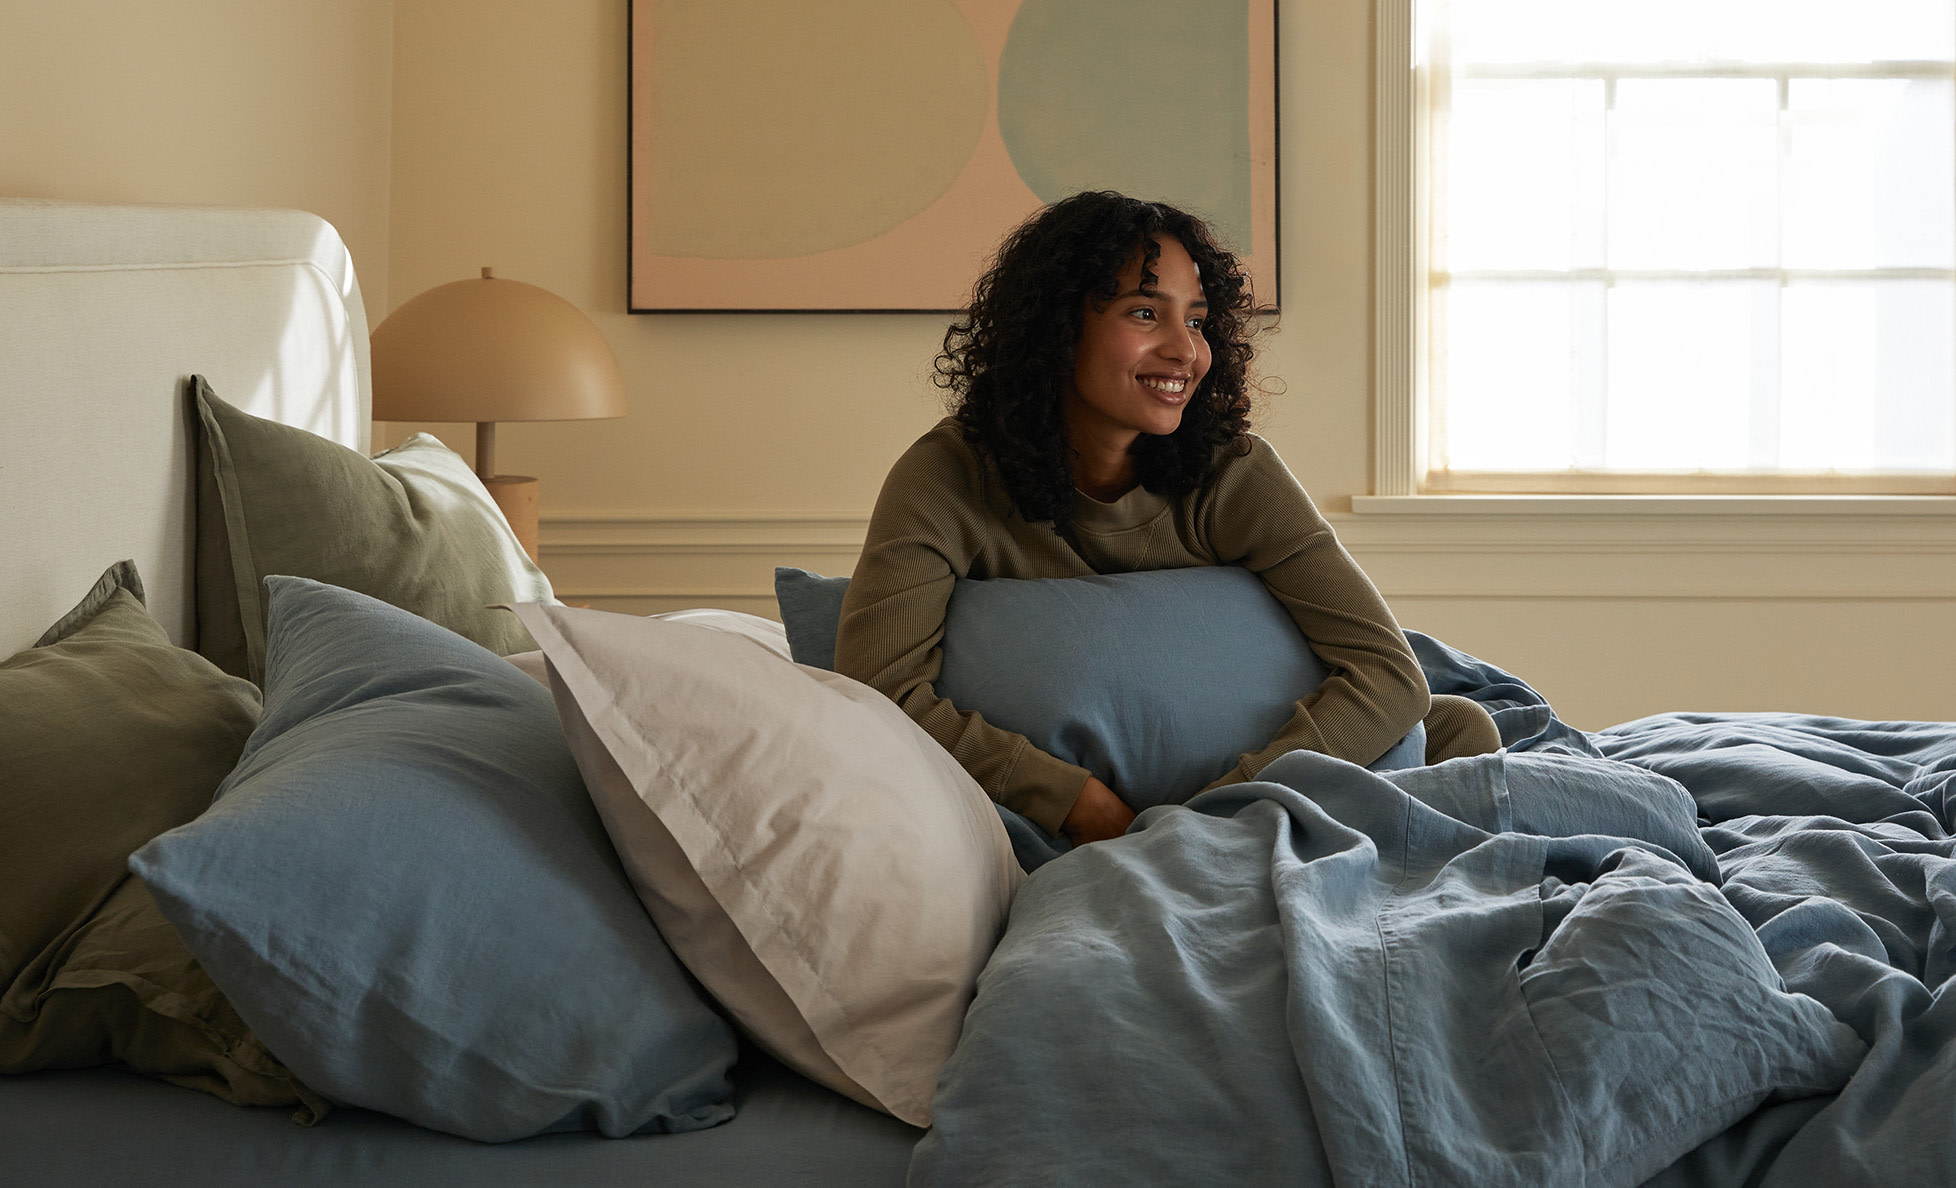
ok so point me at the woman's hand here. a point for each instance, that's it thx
(1097, 815)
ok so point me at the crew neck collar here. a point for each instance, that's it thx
(1131, 510)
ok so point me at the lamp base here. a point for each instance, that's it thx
(516, 495)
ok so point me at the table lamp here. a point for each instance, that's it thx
(494, 350)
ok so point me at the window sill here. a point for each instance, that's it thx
(1771, 506)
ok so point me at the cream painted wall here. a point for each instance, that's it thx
(759, 440)
(509, 150)
(441, 135)
(223, 102)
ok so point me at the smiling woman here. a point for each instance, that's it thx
(1100, 424)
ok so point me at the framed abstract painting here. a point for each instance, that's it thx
(869, 154)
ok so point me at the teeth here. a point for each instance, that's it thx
(1163, 385)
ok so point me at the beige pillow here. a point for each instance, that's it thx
(765, 632)
(825, 869)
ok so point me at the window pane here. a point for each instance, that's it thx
(1692, 236)
(1867, 372)
(1508, 375)
(1871, 173)
(1524, 174)
(1683, 31)
(1860, 31)
(1681, 373)
(1694, 175)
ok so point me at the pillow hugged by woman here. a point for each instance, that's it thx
(1100, 403)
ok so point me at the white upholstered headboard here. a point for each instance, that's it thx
(104, 313)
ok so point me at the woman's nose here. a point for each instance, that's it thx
(1183, 345)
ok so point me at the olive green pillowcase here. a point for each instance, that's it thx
(412, 526)
(112, 735)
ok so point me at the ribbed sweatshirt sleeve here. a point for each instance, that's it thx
(1257, 515)
(929, 525)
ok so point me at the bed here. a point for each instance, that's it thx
(1689, 950)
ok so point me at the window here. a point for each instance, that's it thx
(1672, 245)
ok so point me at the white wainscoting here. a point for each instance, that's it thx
(1657, 547)
(1617, 609)
(1612, 614)
(648, 564)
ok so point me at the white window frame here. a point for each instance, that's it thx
(1399, 263)
(1401, 462)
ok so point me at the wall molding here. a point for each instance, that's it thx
(663, 562)
(719, 532)
(648, 563)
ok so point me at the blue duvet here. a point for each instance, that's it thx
(1693, 949)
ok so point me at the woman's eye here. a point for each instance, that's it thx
(1196, 323)
(1145, 312)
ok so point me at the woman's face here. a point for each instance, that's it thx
(1141, 356)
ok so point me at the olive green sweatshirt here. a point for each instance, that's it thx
(944, 514)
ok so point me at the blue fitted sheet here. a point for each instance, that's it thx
(102, 1126)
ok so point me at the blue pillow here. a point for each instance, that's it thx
(811, 610)
(1160, 680)
(406, 892)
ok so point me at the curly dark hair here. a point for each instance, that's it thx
(1008, 363)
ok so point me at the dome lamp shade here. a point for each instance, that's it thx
(490, 350)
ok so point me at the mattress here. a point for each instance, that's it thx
(104, 1126)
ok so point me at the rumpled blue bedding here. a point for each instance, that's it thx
(1694, 949)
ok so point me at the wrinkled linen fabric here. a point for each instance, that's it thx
(1834, 840)
(1690, 950)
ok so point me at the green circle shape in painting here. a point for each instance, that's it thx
(780, 130)
(1148, 97)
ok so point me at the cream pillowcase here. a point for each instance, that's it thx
(765, 632)
(830, 874)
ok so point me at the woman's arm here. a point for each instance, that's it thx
(929, 524)
(1258, 516)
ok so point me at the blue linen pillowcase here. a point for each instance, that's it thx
(1160, 680)
(811, 611)
(405, 890)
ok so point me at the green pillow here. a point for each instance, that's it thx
(412, 526)
(111, 736)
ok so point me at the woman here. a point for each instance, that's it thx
(1100, 424)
